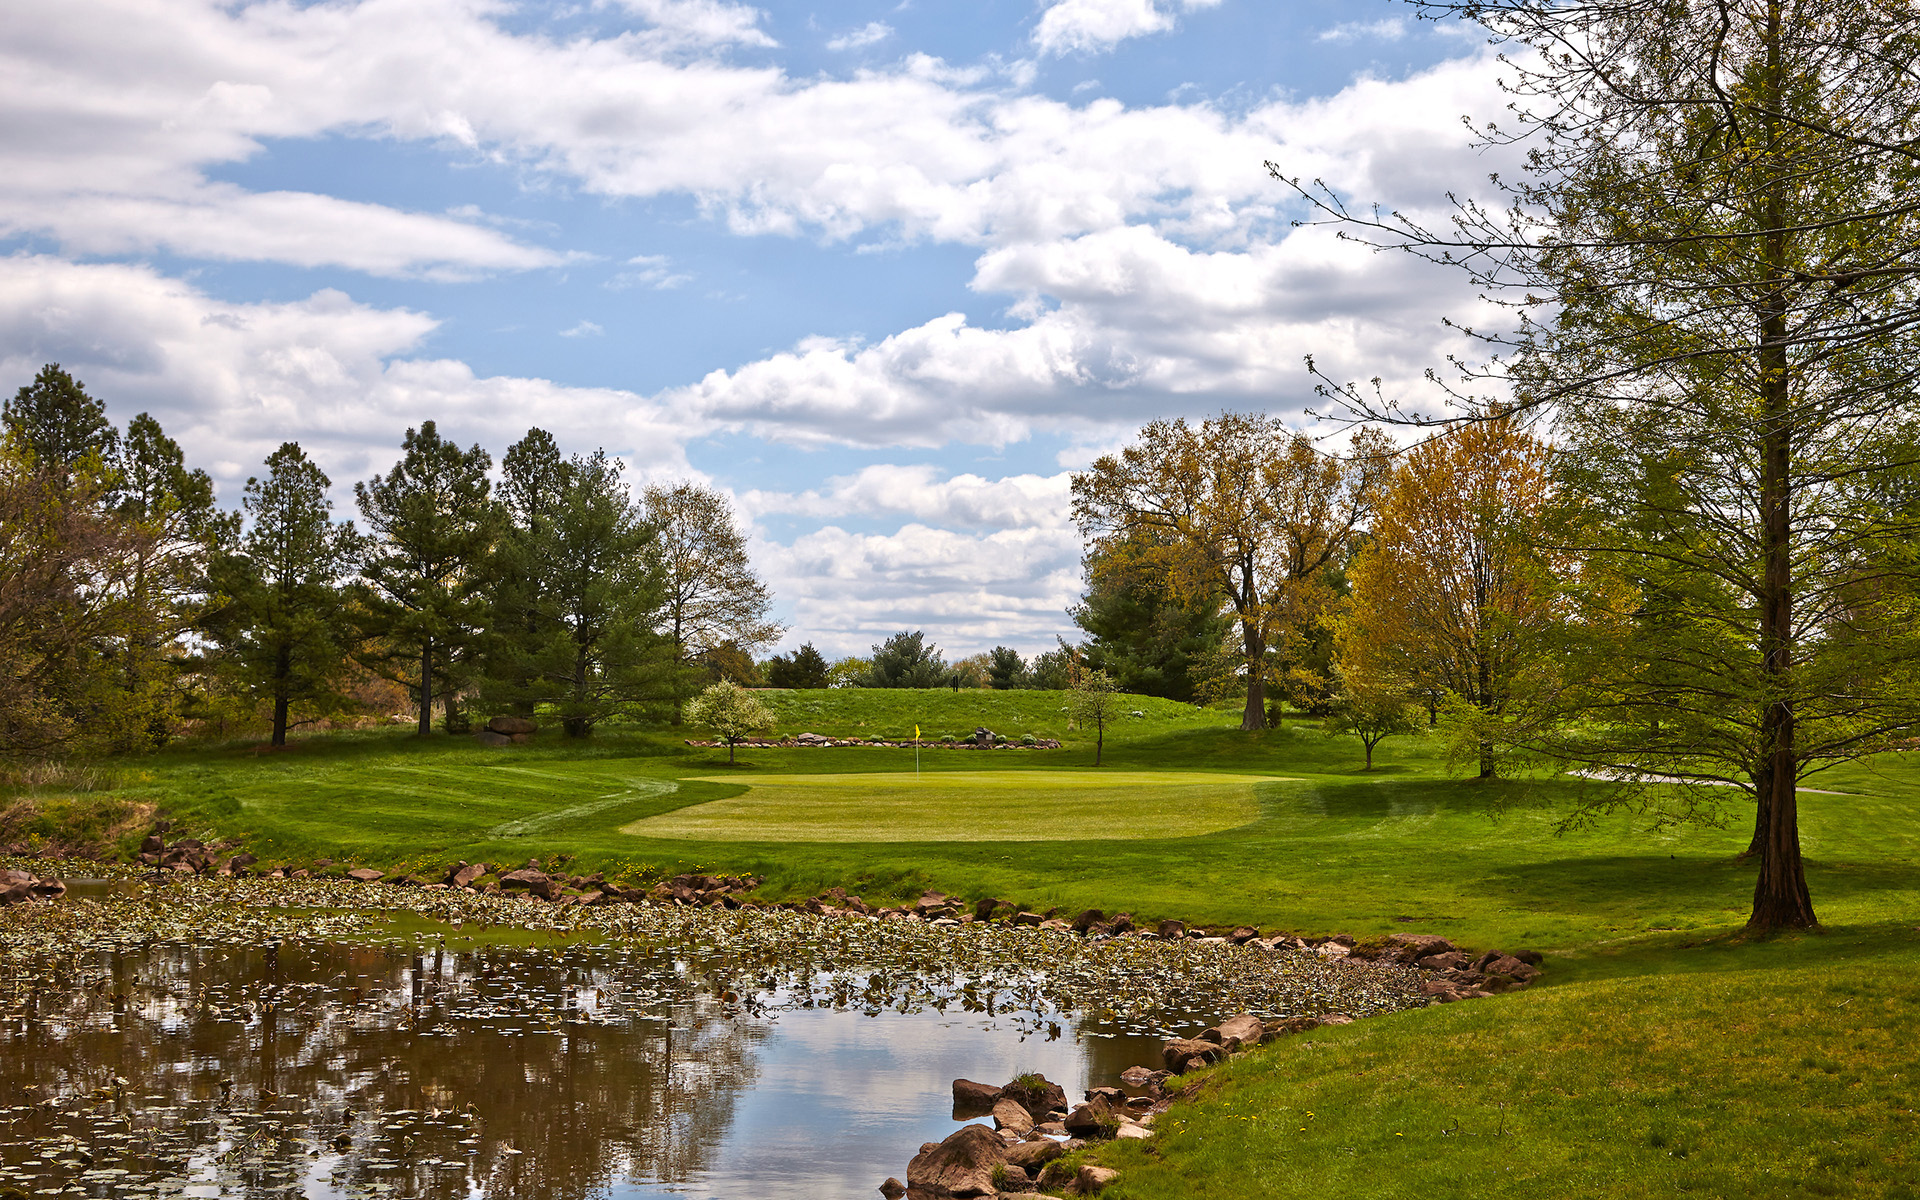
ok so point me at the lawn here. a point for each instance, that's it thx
(963, 806)
(1662, 1053)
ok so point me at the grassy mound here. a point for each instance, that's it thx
(965, 806)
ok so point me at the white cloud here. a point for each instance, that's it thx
(649, 271)
(232, 381)
(699, 24)
(583, 329)
(922, 492)
(1092, 26)
(867, 35)
(1388, 29)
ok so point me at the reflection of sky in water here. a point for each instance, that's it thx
(841, 1100)
(360, 1072)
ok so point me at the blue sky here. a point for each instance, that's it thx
(884, 272)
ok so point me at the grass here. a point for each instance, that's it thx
(1662, 1053)
(963, 806)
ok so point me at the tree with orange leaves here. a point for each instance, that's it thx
(1239, 510)
(1453, 592)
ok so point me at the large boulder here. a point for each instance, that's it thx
(1037, 1094)
(960, 1166)
(364, 875)
(1183, 1054)
(512, 725)
(492, 740)
(538, 882)
(465, 874)
(1236, 1032)
(974, 1097)
(1087, 920)
(1094, 1119)
(1008, 1113)
(1406, 948)
(1092, 1180)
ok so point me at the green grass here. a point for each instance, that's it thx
(1661, 1054)
(962, 806)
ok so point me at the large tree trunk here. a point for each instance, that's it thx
(1255, 716)
(1762, 810)
(1780, 896)
(426, 689)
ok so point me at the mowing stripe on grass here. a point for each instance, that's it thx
(542, 822)
(967, 806)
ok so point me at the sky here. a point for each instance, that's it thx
(886, 273)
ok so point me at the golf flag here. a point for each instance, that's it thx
(916, 733)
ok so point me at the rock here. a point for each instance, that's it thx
(242, 861)
(1011, 1114)
(1038, 1095)
(487, 737)
(153, 843)
(1237, 1031)
(1015, 1179)
(1087, 920)
(1033, 1155)
(1512, 968)
(1183, 1054)
(464, 874)
(962, 1165)
(1243, 935)
(1172, 930)
(1092, 1179)
(1532, 958)
(364, 874)
(1122, 923)
(1332, 950)
(1094, 1119)
(535, 881)
(984, 910)
(17, 892)
(1112, 1095)
(1028, 918)
(1450, 960)
(512, 725)
(1133, 1131)
(1140, 1077)
(892, 1188)
(1336, 1019)
(974, 1097)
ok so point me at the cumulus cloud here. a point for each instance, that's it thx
(1092, 26)
(343, 378)
(582, 329)
(699, 24)
(869, 34)
(925, 493)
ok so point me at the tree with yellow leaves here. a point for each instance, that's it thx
(1239, 507)
(1453, 592)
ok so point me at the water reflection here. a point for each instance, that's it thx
(319, 1069)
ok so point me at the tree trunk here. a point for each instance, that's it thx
(1762, 808)
(1099, 740)
(426, 689)
(281, 669)
(1368, 743)
(1255, 716)
(1780, 896)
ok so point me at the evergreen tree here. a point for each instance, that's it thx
(59, 424)
(283, 627)
(1007, 670)
(804, 668)
(906, 660)
(1142, 634)
(433, 523)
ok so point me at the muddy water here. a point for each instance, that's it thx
(320, 1069)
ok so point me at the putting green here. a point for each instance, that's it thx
(966, 806)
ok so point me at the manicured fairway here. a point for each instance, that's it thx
(966, 806)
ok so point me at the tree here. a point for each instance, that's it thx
(712, 594)
(849, 672)
(907, 660)
(804, 668)
(172, 511)
(1372, 708)
(1241, 508)
(1452, 592)
(58, 424)
(731, 711)
(522, 574)
(1007, 670)
(1095, 700)
(730, 660)
(1715, 265)
(973, 671)
(67, 559)
(282, 625)
(605, 593)
(433, 524)
(1055, 670)
(1151, 642)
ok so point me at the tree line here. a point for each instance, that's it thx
(136, 608)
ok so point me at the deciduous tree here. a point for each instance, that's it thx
(731, 711)
(1241, 508)
(712, 595)
(1095, 701)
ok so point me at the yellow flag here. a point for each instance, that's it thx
(916, 733)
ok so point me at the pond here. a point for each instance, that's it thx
(221, 1043)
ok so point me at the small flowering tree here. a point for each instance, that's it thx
(731, 711)
(1095, 700)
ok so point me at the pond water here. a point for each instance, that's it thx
(418, 1068)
